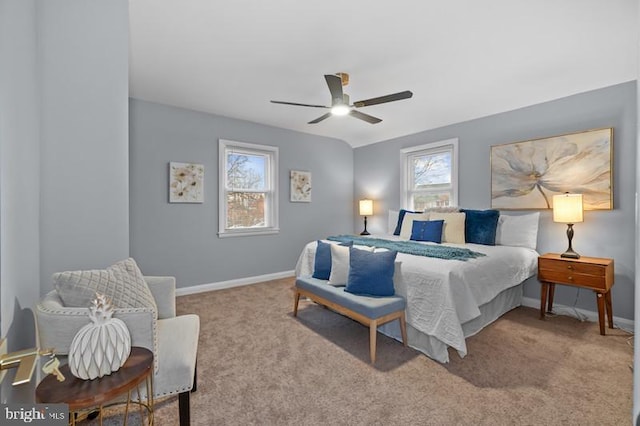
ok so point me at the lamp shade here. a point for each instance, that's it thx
(366, 207)
(567, 208)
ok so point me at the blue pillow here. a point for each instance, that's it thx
(427, 230)
(401, 214)
(322, 265)
(480, 226)
(371, 274)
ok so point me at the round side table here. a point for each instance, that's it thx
(82, 395)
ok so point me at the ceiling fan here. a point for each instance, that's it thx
(340, 100)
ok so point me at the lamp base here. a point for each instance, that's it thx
(570, 254)
(365, 232)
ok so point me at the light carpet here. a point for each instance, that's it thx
(258, 365)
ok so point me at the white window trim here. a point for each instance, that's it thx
(404, 169)
(223, 232)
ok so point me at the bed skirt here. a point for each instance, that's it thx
(489, 312)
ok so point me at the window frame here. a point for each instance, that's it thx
(406, 154)
(271, 182)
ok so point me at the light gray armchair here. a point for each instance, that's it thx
(172, 339)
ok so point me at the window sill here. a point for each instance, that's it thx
(248, 232)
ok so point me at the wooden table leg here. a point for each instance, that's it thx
(544, 289)
(296, 300)
(601, 298)
(607, 299)
(552, 290)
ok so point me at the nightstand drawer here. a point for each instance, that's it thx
(573, 278)
(569, 267)
(589, 272)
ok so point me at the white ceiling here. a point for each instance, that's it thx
(462, 59)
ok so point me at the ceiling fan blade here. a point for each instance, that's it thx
(383, 99)
(335, 87)
(297, 104)
(319, 119)
(365, 117)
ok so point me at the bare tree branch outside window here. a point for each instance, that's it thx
(245, 200)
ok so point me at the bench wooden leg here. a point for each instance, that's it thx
(373, 332)
(296, 299)
(403, 329)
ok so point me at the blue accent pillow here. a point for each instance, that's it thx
(401, 214)
(322, 265)
(480, 226)
(370, 273)
(427, 230)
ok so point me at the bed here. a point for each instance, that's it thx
(450, 300)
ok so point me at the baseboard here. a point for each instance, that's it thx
(201, 288)
(622, 323)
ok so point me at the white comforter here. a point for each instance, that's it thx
(443, 294)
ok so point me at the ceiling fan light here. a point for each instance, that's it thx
(340, 109)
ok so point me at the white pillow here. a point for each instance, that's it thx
(121, 282)
(519, 231)
(393, 221)
(453, 229)
(340, 263)
(407, 223)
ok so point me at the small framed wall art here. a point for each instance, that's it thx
(526, 175)
(186, 183)
(300, 186)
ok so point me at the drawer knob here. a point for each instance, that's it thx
(570, 267)
(570, 278)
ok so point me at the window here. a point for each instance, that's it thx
(248, 189)
(429, 175)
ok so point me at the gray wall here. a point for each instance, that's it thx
(63, 151)
(636, 348)
(19, 170)
(602, 234)
(84, 156)
(19, 182)
(181, 239)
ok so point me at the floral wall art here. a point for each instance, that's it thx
(526, 175)
(186, 183)
(300, 186)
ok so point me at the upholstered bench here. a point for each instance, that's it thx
(369, 311)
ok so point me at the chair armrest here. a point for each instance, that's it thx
(163, 290)
(57, 324)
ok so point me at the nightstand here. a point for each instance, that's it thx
(593, 273)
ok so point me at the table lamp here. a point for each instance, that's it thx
(366, 209)
(567, 208)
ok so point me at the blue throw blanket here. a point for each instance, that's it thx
(411, 247)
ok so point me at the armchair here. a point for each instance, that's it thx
(172, 339)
